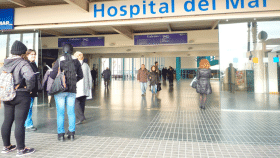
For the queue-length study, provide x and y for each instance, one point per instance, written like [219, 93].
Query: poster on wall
[161, 39]
[82, 42]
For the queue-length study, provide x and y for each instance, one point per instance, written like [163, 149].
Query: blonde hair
[77, 53]
[204, 64]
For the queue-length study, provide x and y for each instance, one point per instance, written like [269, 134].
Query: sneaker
[31, 128]
[25, 151]
[8, 149]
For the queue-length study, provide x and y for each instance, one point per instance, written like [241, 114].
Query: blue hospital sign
[6, 19]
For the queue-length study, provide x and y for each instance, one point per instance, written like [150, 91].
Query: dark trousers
[106, 83]
[164, 77]
[80, 104]
[94, 81]
[231, 87]
[16, 110]
[170, 81]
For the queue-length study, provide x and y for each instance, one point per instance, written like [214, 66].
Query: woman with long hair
[203, 81]
[30, 56]
[71, 67]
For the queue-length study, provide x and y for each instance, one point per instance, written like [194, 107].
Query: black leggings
[15, 110]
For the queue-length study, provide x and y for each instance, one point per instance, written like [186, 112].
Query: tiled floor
[122, 123]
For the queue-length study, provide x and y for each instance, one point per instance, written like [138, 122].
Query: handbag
[59, 83]
[194, 83]
[159, 87]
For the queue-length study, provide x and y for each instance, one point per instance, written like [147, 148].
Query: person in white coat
[83, 89]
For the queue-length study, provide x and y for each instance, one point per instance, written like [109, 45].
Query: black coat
[38, 85]
[107, 74]
[153, 78]
[203, 81]
[63, 65]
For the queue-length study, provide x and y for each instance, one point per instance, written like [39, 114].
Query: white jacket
[85, 84]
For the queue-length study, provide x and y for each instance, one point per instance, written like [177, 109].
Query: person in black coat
[170, 73]
[73, 73]
[107, 75]
[30, 56]
[203, 81]
[154, 79]
[94, 75]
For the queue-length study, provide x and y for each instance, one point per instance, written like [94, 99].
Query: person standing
[30, 56]
[164, 72]
[17, 109]
[154, 80]
[203, 81]
[47, 81]
[170, 75]
[142, 77]
[107, 75]
[156, 66]
[83, 89]
[230, 78]
[94, 75]
[73, 73]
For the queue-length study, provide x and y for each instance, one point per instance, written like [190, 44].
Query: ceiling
[30, 3]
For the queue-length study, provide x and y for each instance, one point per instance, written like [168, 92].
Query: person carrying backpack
[16, 109]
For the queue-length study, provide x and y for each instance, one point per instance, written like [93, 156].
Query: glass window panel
[13, 38]
[3, 45]
[28, 39]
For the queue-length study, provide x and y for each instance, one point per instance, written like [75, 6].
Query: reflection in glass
[248, 71]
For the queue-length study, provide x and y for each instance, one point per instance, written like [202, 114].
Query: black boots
[71, 135]
[61, 137]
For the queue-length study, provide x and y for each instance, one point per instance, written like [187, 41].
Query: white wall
[170, 61]
[188, 62]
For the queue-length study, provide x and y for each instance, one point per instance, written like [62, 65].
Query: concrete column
[132, 63]
[259, 69]
[272, 73]
[178, 68]
[110, 67]
[123, 68]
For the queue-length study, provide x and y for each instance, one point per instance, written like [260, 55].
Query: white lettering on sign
[4, 23]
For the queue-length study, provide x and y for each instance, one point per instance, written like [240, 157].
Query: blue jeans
[28, 121]
[154, 89]
[69, 99]
[143, 87]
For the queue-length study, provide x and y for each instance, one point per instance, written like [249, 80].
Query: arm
[53, 74]
[197, 75]
[138, 75]
[29, 76]
[89, 76]
[79, 70]
[45, 80]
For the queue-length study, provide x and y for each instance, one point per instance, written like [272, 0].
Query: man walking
[142, 78]
[94, 75]
[107, 75]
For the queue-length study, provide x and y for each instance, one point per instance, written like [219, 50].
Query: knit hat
[18, 48]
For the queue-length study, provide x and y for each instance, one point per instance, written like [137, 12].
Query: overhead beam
[53, 32]
[82, 4]
[169, 28]
[19, 2]
[127, 32]
[88, 30]
[215, 24]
